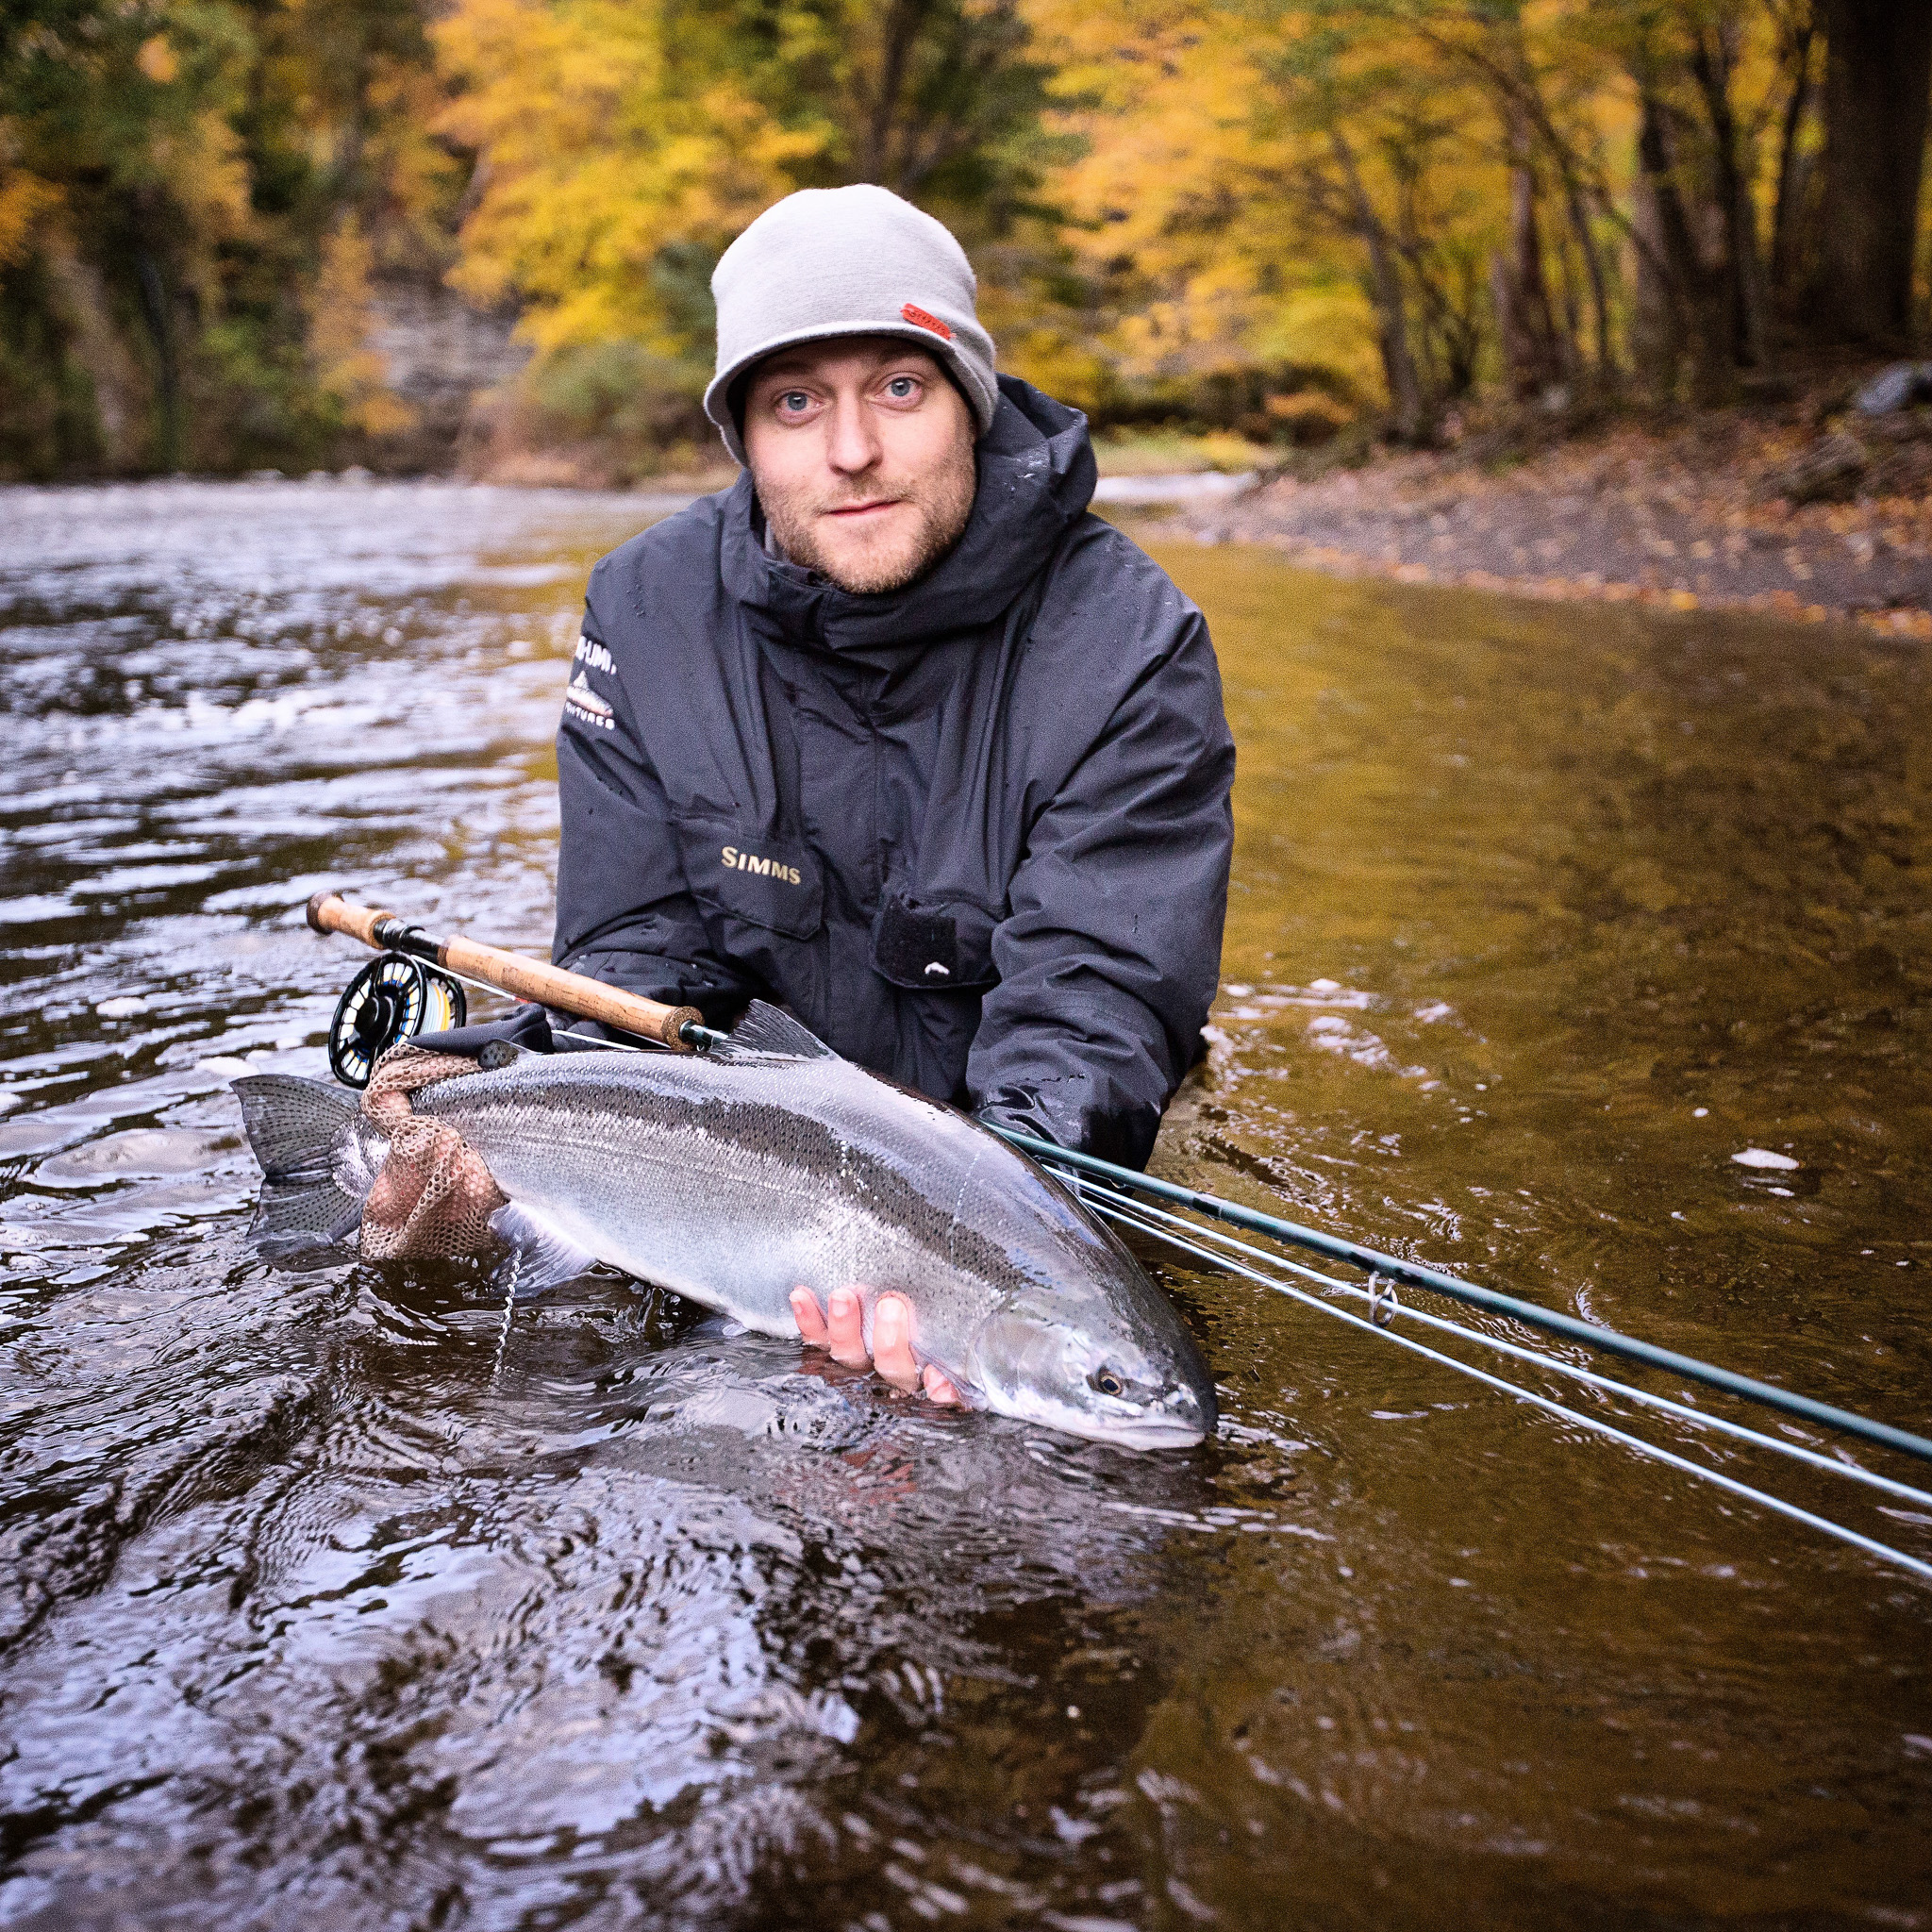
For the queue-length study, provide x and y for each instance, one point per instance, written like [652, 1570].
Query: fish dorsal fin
[766, 1034]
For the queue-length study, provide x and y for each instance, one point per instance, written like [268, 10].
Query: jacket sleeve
[1110, 954]
[624, 912]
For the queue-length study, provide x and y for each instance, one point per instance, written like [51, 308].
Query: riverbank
[1802, 514]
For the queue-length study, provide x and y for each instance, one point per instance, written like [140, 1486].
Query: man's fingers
[845, 1325]
[841, 1329]
[891, 1343]
[809, 1317]
[940, 1389]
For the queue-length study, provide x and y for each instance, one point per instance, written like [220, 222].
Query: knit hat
[846, 261]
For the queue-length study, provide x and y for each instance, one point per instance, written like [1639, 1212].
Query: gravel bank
[1703, 516]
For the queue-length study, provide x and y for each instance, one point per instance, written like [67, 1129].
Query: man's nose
[853, 444]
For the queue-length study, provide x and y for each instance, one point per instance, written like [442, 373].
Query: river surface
[329, 1599]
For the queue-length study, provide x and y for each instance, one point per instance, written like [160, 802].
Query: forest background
[239, 234]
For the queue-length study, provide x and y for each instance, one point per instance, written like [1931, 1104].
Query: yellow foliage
[419, 177]
[1202, 125]
[201, 161]
[25, 201]
[609, 136]
[1187, 134]
[157, 59]
[1215, 212]
[348, 366]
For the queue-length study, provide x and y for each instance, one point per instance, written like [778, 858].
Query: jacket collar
[1036, 477]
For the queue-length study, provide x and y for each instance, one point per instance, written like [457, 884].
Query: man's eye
[794, 400]
[901, 388]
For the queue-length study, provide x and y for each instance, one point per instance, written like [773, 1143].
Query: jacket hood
[1035, 477]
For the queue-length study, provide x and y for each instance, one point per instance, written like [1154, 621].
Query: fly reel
[391, 999]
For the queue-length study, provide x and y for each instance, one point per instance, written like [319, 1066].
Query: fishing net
[434, 1195]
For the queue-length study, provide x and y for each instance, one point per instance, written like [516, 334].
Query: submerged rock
[1897, 387]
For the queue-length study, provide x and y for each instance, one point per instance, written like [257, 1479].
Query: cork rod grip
[512, 972]
[330, 913]
[570, 992]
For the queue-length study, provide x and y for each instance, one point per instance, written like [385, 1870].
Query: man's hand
[841, 1331]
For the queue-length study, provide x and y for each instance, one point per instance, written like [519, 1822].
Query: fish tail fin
[296, 1127]
[293, 1125]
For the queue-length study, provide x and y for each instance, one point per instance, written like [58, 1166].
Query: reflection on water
[326, 1599]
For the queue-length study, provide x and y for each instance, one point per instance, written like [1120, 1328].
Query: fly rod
[1551, 1321]
[1124, 1212]
[682, 1029]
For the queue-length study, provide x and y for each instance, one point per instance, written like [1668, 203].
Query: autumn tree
[190, 189]
[620, 146]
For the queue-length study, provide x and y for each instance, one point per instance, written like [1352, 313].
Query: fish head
[1075, 1360]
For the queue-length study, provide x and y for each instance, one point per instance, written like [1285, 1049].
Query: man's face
[862, 452]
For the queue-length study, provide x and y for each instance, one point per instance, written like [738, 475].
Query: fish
[767, 1162]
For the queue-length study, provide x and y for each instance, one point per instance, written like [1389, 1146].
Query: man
[894, 732]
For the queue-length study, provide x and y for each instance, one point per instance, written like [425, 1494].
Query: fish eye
[1108, 1381]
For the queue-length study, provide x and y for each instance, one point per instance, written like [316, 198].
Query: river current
[340, 1598]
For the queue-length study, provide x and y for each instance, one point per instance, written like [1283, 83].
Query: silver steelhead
[734, 1176]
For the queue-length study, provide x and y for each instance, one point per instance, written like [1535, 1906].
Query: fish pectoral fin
[540, 1257]
[767, 1034]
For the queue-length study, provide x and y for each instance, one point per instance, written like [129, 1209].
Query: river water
[329, 1599]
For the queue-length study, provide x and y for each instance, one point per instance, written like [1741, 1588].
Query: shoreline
[1702, 517]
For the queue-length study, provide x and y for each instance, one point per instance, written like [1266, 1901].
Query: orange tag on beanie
[921, 319]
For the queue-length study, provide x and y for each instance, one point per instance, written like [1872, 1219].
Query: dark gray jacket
[974, 834]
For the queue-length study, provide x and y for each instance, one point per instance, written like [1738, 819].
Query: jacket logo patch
[591, 652]
[582, 702]
[765, 868]
[920, 318]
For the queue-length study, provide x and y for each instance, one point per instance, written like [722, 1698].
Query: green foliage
[187, 165]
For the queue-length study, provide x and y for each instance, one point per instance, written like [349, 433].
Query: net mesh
[434, 1195]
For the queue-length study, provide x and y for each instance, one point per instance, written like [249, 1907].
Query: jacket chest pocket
[941, 948]
[767, 881]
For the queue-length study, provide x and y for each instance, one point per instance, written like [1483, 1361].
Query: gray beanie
[846, 261]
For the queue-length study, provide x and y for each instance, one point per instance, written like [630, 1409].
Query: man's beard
[892, 559]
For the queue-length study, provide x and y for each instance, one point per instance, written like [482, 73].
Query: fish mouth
[1181, 1425]
[1155, 1432]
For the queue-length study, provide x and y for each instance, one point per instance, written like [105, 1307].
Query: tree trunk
[1505, 70]
[1742, 282]
[1385, 288]
[1785, 213]
[1700, 312]
[1570, 312]
[1657, 317]
[157, 311]
[1877, 87]
[902, 24]
[1530, 349]
[1578, 210]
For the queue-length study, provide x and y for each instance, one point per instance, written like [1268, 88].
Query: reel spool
[390, 999]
